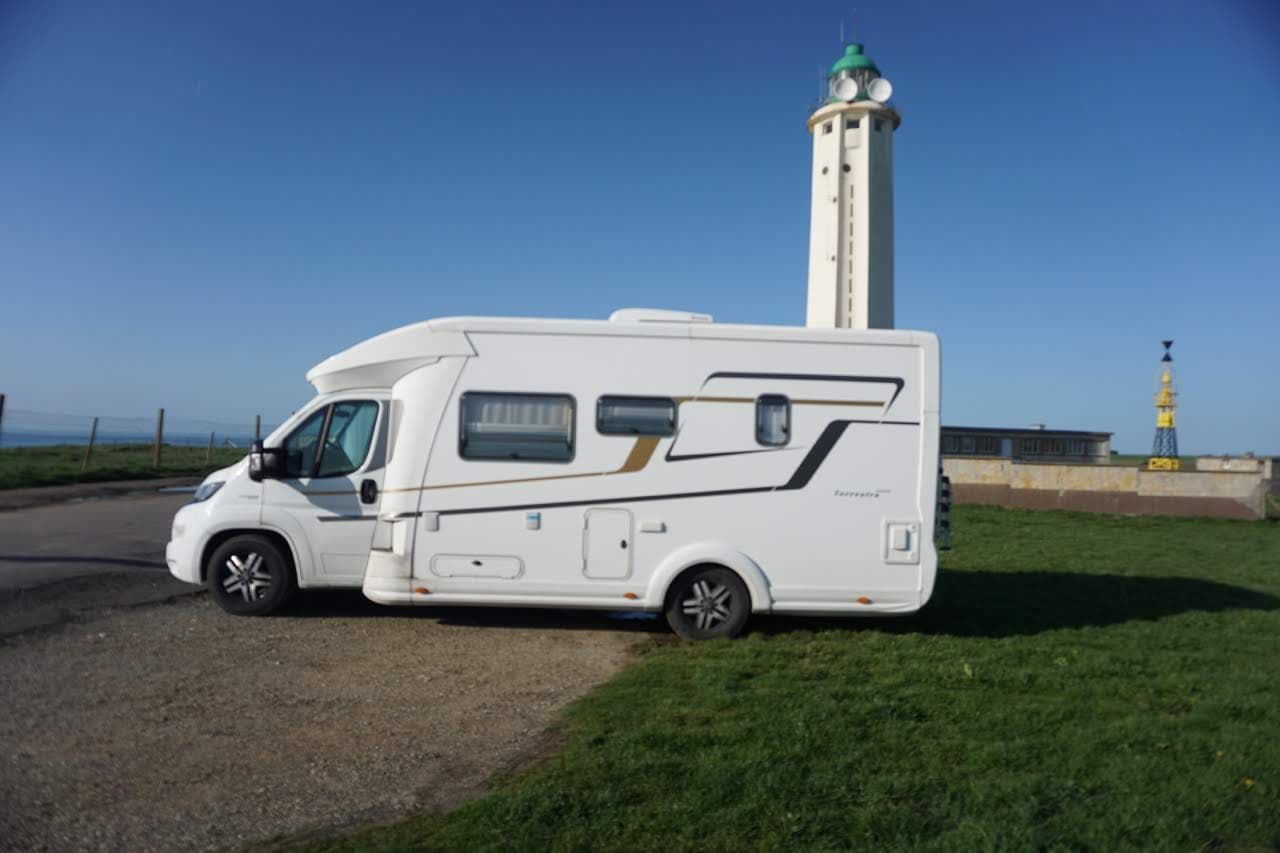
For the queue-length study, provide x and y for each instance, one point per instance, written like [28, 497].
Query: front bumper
[182, 554]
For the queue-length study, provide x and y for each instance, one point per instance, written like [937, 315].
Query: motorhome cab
[657, 461]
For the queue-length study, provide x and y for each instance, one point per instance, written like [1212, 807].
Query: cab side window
[332, 442]
[301, 445]
[347, 440]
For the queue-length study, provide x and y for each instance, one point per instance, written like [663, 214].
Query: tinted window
[531, 427]
[773, 420]
[636, 415]
[346, 444]
[301, 445]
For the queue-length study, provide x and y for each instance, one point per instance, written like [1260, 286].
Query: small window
[636, 415]
[879, 125]
[773, 420]
[526, 427]
[852, 123]
[826, 128]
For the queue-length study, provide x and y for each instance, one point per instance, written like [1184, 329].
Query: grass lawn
[1139, 460]
[1078, 682]
[59, 465]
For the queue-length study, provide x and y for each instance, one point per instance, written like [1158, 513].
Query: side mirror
[264, 463]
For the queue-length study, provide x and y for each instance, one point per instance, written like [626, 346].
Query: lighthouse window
[879, 125]
[826, 128]
[852, 123]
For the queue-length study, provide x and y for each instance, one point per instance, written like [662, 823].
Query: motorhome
[656, 461]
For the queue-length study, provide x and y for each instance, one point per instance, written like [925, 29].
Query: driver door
[330, 460]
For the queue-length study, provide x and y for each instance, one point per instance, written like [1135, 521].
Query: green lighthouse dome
[853, 60]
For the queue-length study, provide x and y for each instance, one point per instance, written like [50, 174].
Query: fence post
[1, 414]
[208, 457]
[88, 451]
[257, 423]
[159, 437]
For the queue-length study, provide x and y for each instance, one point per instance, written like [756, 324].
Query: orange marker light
[422, 590]
[630, 596]
[862, 599]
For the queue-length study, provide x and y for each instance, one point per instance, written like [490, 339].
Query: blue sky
[200, 201]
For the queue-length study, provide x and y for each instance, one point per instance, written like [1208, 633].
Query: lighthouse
[851, 216]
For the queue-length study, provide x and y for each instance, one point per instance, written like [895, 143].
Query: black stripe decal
[816, 455]
[808, 466]
[896, 381]
[671, 457]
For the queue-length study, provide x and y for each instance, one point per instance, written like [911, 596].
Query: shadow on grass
[964, 604]
[1008, 604]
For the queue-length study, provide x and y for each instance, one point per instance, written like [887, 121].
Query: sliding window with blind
[516, 427]
[653, 416]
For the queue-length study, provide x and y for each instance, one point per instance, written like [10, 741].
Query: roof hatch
[657, 315]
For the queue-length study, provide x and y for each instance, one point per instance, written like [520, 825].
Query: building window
[526, 427]
[852, 123]
[773, 420]
[879, 125]
[636, 415]
[826, 128]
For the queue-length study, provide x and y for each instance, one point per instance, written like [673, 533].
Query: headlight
[206, 491]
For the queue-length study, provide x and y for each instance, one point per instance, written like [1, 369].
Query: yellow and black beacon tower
[1164, 450]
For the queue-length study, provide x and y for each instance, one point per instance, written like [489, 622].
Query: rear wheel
[250, 576]
[708, 602]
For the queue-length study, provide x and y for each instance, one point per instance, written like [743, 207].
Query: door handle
[623, 544]
[368, 492]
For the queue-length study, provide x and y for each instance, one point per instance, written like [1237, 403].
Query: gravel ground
[172, 725]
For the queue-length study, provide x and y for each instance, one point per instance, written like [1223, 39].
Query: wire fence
[30, 428]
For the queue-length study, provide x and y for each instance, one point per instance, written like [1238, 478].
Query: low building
[1267, 466]
[1028, 445]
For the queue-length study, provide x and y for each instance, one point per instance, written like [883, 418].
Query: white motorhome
[657, 461]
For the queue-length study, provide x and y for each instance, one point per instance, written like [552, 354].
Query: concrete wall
[1107, 488]
[1268, 466]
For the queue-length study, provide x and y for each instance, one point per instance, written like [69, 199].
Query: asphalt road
[137, 715]
[61, 560]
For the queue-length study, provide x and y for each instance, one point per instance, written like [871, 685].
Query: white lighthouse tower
[851, 221]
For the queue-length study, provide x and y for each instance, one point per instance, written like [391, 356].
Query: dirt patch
[174, 725]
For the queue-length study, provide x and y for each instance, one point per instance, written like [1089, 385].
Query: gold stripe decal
[637, 459]
[641, 453]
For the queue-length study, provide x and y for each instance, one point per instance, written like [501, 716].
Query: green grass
[1139, 460]
[1078, 682]
[55, 466]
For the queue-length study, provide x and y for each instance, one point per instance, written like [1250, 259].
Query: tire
[250, 576]
[708, 602]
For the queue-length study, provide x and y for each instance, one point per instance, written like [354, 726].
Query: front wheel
[250, 576]
[708, 602]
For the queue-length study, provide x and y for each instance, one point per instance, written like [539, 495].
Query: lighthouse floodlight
[880, 90]
[846, 89]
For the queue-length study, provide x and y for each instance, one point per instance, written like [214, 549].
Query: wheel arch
[712, 553]
[221, 536]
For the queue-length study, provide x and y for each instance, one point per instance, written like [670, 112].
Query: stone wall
[1107, 488]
